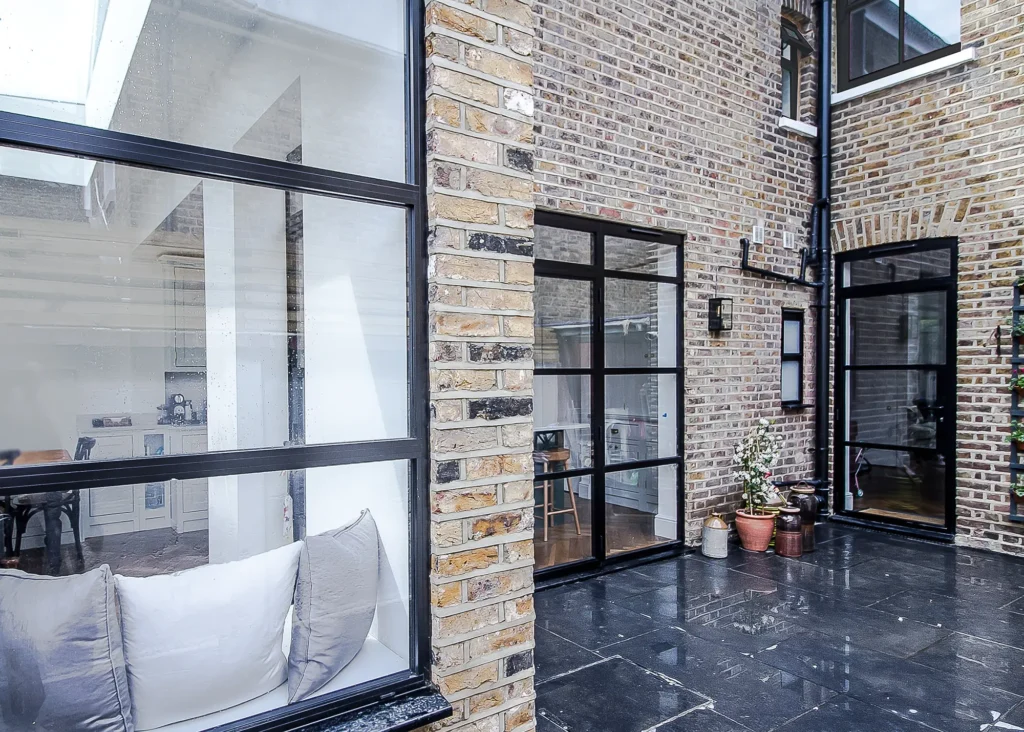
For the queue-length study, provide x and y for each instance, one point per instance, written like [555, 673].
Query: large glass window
[321, 82]
[607, 390]
[880, 37]
[212, 480]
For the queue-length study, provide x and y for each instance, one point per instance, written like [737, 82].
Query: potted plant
[756, 455]
[1018, 331]
[1017, 489]
[1017, 381]
[1016, 435]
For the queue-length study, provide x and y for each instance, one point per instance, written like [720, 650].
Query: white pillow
[208, 638]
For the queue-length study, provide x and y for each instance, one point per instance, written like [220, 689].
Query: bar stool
[545, 458]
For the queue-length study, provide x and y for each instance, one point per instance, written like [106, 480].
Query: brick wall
[665, 114]
[944, 156]
[480, 201]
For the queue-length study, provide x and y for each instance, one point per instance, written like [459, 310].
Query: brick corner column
[480, 287]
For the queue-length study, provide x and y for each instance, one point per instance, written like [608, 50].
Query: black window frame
[844, 9]
[799, 46]
[791, 315]
[596, 274]
[330, 711]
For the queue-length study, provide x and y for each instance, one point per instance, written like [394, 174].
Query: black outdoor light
[719, 314]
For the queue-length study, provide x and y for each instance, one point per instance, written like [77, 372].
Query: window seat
[373, 661]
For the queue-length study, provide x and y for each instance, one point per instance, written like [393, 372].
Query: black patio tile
[1016, 606]
[852, 549]
[575, 615]
[613, 696]
[701, 593]
[843, 584]
[990, 592]
[743, 689]
[977, 660]
[829, 530]
[863, 626]
[546, 724]
[970, 614]
[702, 720]
[1014, 719]
[938, 698]
[556, 655]
[846, 714]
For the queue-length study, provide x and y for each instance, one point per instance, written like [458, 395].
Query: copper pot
[755, 530]
[804, 498]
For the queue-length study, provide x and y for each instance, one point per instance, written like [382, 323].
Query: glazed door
[607, 440]
[896, 385]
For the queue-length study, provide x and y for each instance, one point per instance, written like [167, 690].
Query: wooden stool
[545, 458]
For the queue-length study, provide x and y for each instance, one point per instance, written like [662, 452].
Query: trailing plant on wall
[1017, 381]
[756, 456]
[1017, 488]
[1016, 433]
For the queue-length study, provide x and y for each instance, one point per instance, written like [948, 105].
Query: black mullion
[418, 357]
[565, 270]
[641, 370]
[894, 367]
[563, 371]
[907, 287]
[641, 464]
[597, 413]
[888, 446]
[96, 474]
[133, 150]
[680, 394]
[902, 19]
[560, 474]
[617, 274]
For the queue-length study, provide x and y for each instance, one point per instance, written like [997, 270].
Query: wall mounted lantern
[719, 314]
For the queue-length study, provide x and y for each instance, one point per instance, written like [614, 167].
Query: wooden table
[51, 508]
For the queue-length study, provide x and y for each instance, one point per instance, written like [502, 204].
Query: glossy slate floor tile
[871, 632]
[556, 655]
[843, 584]
[939, 698]
[743, 689]
[590, 623]
[969, 615]
[977, 660]
[849, 715]
[863, 626]
[619, 696]
[702, 720]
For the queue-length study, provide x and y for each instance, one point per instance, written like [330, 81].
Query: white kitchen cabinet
[182, 505]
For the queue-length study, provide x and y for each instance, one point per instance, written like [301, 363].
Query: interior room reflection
[894, 400]
[149, 314]
[639, 413]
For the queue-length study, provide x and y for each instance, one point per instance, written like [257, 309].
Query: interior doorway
[608, 399]
[896, 385]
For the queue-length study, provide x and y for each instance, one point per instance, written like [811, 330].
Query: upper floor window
[793, 46]
[880, 37]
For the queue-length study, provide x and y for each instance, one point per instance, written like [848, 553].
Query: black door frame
[946, 435]
[595, 274]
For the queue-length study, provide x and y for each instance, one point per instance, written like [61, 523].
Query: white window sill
[939, 64]
[800, 128]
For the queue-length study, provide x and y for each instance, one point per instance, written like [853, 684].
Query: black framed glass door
[896, 385]
[607, 391]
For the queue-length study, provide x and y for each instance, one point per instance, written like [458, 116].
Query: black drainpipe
[820, 258]
[821, 247]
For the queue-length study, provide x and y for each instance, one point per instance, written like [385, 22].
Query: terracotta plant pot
[755, 530]
[1020, 446]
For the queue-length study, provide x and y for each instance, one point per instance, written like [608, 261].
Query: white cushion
[373, 661]
[207, 638]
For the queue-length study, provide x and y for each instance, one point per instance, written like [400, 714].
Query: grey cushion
[335, 598]
[61, 659]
